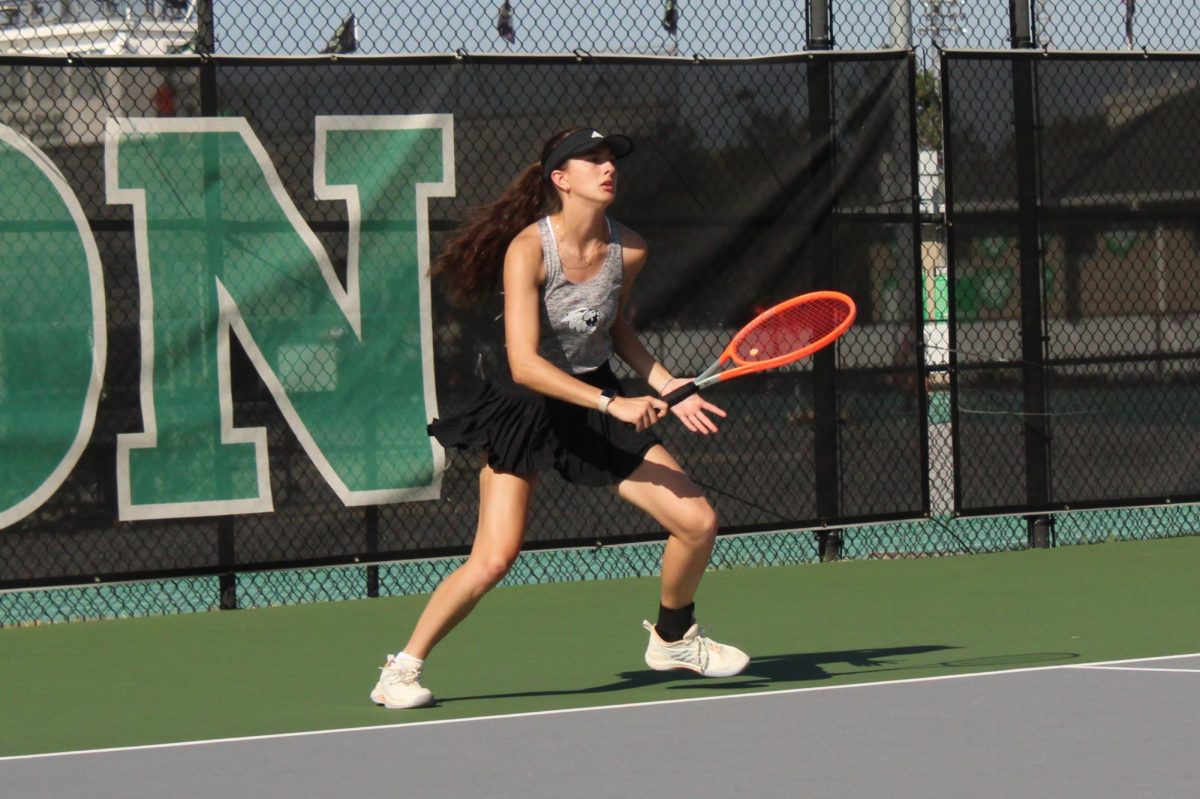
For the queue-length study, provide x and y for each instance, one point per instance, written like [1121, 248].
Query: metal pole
[371, 528]
[1021, 30]
[1040, 531]
[227, 560]
[900, 29]
[820, 35]
[206, 37]
[1033, 337]
[821, 188]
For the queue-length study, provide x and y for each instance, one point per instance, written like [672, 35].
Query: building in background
[85, 96]
[96, 27]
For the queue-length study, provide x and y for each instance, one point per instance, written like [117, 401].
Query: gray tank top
[577, 317]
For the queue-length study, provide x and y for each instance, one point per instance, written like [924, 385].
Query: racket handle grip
[680, 394]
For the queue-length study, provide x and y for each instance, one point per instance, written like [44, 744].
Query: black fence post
[206, 36]
[227, 558]
[819, 24]
[825, 404]
[829, 545]
[1033, 339]
[1041, 531]
[205, 41]
[371, 526]
[1021, 23]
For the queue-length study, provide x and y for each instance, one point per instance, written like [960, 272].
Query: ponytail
[474, 258]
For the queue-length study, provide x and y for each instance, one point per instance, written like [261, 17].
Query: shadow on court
[762, 672]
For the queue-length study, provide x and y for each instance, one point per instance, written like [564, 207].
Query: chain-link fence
[1075, 250]
[703, 28]
[267, 370]
[374, 27]
[1111, 242]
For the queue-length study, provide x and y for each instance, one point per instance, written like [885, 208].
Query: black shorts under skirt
[524, 432]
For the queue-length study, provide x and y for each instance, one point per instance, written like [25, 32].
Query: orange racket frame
[742, 366]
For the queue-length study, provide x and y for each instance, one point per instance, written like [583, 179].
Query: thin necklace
[583, 260]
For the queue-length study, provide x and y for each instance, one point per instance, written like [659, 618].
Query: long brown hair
[474, 257]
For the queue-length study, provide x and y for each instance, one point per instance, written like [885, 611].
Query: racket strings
[790, 329]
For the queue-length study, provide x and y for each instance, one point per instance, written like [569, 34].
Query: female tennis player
[566, 270]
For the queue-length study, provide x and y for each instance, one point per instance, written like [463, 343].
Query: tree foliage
[929, 110]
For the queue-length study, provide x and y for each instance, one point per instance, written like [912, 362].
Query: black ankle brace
[672, 624]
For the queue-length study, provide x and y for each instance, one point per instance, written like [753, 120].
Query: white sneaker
[695, 653]
[399, 685]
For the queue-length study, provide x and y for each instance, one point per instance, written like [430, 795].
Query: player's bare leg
[661, 488]
[503, 508]
[503, 505]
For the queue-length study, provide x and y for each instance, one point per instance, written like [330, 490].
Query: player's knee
[700, 526]
[490, 569]
[708, 525]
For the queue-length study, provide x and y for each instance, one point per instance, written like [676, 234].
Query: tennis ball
[753, 352]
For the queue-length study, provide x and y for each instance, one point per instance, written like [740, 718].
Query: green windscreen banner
[52, 328]
[224, 252]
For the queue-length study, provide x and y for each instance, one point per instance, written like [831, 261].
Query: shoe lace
[705, 648]
[401, 673]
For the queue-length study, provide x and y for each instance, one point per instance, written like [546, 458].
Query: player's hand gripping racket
[792, 330]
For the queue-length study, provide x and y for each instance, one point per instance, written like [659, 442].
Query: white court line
[598, 708]
[1098, 667]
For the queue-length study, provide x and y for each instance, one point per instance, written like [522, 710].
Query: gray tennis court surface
[1116, 729]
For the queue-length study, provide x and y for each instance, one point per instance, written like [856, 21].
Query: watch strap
[606, 398]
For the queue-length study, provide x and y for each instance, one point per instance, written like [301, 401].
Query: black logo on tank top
[582, 320]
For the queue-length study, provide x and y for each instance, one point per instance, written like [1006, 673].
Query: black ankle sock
[672, 624]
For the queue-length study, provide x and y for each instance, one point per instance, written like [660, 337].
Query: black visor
[584, 141]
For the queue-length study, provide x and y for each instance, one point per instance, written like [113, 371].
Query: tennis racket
[784, 334]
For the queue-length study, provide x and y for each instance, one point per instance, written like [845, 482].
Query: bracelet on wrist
[663, 391]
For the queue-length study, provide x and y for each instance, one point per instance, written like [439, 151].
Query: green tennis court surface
[534, 648]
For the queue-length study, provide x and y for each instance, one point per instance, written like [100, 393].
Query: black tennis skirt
[524, 432]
